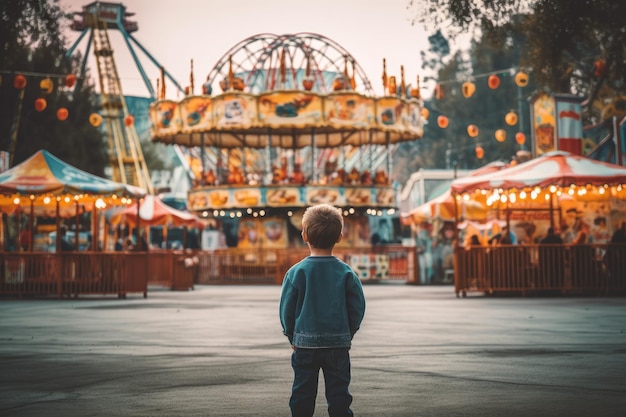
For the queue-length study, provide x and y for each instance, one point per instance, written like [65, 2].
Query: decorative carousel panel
[284, 196]
[290, 109]
[329, 195]
[391, 113]
[349, 110]
[235, 111]
[165, 118]
[246, 197]
[210, 199]
[196, 113]
[414, 121]
[275, 232]
[359, 196]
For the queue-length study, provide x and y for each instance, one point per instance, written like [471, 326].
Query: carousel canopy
[559, 169]
[43, 180]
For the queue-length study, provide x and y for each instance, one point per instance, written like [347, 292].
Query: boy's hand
[293, 347]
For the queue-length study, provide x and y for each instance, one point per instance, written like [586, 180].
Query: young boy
[321, 308]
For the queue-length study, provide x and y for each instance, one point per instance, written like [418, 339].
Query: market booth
[166, 268]
[44, 186]
[581, 199]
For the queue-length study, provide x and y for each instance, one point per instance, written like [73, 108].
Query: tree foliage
[32, 44]
[573, 46]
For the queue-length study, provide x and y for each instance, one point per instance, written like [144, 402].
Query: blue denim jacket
[322, 303]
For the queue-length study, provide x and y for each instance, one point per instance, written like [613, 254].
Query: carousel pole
[76, 228]
[31, 224]
[268, 160]
[314, 156]
[388, 144]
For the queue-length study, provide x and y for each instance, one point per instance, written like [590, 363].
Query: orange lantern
[599, 68]
[521, 79]
[62, 114]
[95, 119]
[425, 113]
[70, 80]
[510, 118]
[442, 121]
[500, 135]
[472, 131]
[41, 104]
[46, 85]
[480, 152]
[19, 82]
[468, 89]
[520, 138]
[439, 93]
[308, 82]
[129, 120]
[513, 162]
[493, 81]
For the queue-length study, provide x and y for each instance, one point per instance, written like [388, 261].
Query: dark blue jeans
[306, 364]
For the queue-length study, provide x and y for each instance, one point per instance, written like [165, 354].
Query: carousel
[284, 122]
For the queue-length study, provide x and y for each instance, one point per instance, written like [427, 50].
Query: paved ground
[219, 351]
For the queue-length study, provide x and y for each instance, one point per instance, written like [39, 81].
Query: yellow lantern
[472, 131]
[480, 152]
[425, 113]
[493, 81]
[41, 104]
[62, 114]
[95, 119]
[468, 89]
[520, 138]
[500, 135]
[521, 79]
[510, 118]
[129, 120]
[442, 121]
[46, 85]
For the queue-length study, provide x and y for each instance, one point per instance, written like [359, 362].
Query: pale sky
[176, 31]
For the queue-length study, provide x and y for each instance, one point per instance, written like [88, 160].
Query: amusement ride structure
[287, 121]
[126, 156]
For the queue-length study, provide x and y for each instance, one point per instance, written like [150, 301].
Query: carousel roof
[289, 91]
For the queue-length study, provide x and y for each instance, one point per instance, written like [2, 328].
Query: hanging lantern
[46, 85]
[480, 152]
[472, 131]
[521, 79]
[95, 119]
[19, 82]
[439, 93]
[442, 121]
[62, 114]
[468, 89]
[207, 88]
[70, 80]
[500, 135]
[425, 113]
[599, 68]
[41, 104]
[129, 120]
[510, 118]
[493, 81]
[520, 138]
[307, 82]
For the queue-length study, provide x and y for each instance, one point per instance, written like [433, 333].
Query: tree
[34, 47]
[574, 46]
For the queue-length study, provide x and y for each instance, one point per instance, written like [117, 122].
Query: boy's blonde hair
[323, 225]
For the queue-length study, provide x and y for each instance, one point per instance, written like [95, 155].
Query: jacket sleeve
[287, 309]
[356, 304]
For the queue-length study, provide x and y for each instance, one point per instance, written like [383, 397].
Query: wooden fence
[540, 269]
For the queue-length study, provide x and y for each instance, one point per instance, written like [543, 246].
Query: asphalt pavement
[219, 351]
